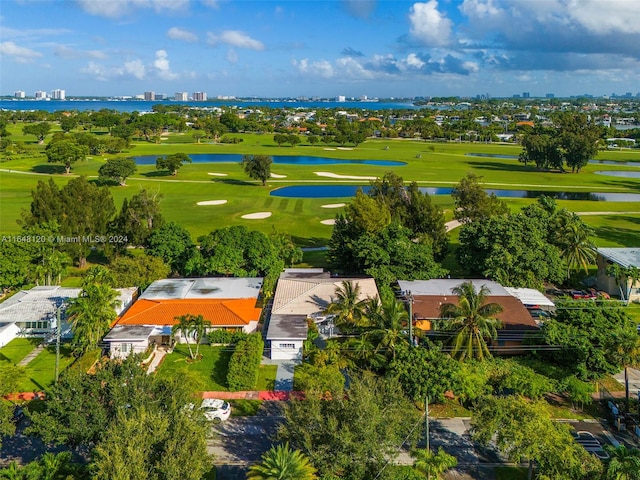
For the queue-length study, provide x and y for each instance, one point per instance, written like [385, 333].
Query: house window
[287, 345]
[126, 347]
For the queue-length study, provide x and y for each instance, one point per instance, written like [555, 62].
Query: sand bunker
[275, 175]
[217, 174]
[344, 148]
[333, 205]
[345, 177]
[213, 202]
[256, 216]
[331, 221]
[328, 148]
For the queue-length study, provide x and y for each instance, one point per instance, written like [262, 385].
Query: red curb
[268, 395]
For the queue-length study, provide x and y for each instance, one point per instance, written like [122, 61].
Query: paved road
[634, 380]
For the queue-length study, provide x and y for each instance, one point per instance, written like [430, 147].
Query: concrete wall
[9, 333]
[115, 348]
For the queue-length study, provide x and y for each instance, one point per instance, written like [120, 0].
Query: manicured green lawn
[40, 372]
[441, 164]
[207, 374]
[17, 349]
[510, 473]
[266, 377]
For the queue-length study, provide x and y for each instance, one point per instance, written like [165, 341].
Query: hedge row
[245, 363]
[226, 337]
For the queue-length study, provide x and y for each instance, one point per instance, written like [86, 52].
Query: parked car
[539, 313]
[216, 410]
[580, 294]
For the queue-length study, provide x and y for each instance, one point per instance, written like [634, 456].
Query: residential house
[626, 259]
[228, 303]
[303, 295]
[34, 313]
[427, 296]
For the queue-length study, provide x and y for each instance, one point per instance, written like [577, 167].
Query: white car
[216, 410]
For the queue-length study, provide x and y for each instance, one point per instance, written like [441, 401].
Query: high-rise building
[550, 95]
[341, 98]
[40, 95]
[58, 94]
[19, 94]
[526, 95]
[199, 96]
[181, 96]
[149, 96]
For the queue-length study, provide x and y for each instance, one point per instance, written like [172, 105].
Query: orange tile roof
[220, 312]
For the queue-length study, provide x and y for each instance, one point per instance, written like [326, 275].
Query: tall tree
[66, 152]
[91, 315]
[472, 321]
[282, 463]
[355, 435]
[348, 307]
[139, 271]
[191, 327]
[172, 162]
[394, 319]
[139, 216]
[573, 239]
[171, 242]
[522, 429]
[473, 203]
[40, 130]
[258, 167]
[118, 169]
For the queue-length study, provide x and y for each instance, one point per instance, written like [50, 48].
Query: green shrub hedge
[226, 336]
[245, 363]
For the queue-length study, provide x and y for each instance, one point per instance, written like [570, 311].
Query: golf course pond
[341, 191]
[277, 159]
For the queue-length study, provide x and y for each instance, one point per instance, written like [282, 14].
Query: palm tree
[282, 463]
[91, 315]
[199, 329]
[472, 321]
[392, 316]
[433, 465]
[347, 308]
[364, 354]
[191, 326]
[624, 463]
[573, 238]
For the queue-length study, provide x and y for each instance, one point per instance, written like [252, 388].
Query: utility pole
[410, 299]
[58, 343]
[426, 420]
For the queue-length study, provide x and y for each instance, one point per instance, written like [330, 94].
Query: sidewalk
[33, 354]
[267, 395]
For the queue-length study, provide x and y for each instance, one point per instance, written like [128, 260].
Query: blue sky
[310, 48]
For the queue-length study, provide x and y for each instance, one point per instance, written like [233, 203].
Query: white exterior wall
[286, 349]
[9, 333]
[116, 349]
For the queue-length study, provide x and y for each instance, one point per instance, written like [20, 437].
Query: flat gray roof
[121, 333]
[625, 257]
[195, 288]
[444, 286]
[293, 327]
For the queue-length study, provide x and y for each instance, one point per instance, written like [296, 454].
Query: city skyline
[326, 49]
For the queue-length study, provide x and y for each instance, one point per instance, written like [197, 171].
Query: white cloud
[135, 68]
[66, 51]
[119, 8]
[428, 25]
[162, 66]
[600, 17]
[19, 54]
[320, 68]
[180, 34]
[235, 38]
[414, 61]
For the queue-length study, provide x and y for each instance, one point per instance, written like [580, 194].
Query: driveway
[241, 441]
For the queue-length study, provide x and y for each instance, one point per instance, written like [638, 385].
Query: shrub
[245, 363]
[226, 336]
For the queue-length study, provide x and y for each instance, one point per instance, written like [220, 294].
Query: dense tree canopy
[473, 203]
[66, 152]
[353, 436]
[172, 162]
[595, 337]
[172, 243]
